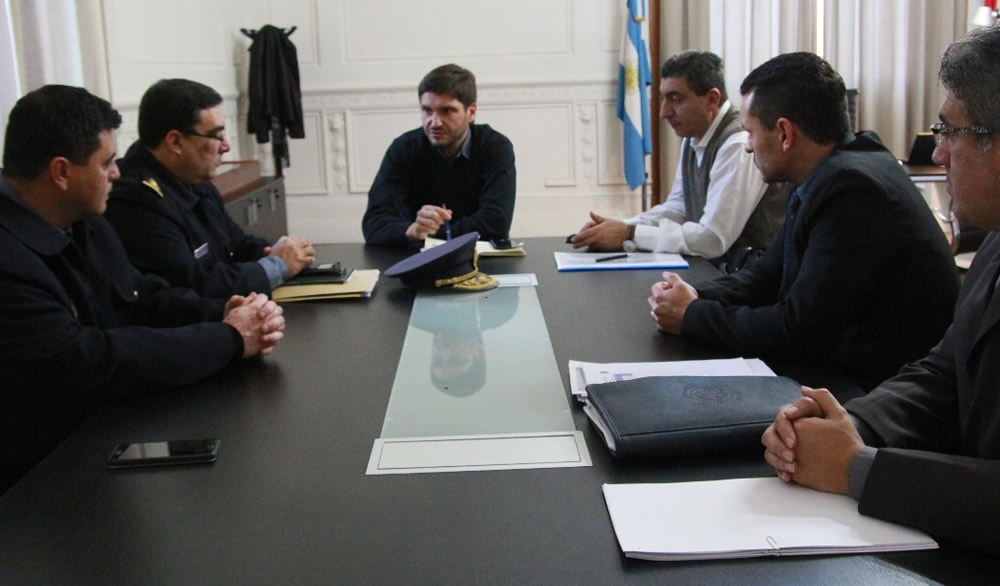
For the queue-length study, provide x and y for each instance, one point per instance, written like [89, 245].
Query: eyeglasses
[941, 130]
[218, 137]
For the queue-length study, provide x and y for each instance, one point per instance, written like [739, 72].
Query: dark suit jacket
[161, 231]
[871, 286]
[940, 418]
[71, 308]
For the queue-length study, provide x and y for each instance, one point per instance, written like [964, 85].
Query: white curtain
[890, 50]
[745, 33]
[9, 83]
[61, 41]
[886, 49]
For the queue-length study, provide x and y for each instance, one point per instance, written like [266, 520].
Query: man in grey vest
[718, 203]
[861, 278]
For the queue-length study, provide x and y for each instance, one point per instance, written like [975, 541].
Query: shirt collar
[27, 225]
[467, 145]
[465, 151]
[712, 128]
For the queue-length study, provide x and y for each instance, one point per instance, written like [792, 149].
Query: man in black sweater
[449, 177]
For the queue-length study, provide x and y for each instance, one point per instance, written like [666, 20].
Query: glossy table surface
[288, 501]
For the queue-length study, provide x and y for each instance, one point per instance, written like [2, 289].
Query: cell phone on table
[501, 243]
[164, 453]
[327, 269]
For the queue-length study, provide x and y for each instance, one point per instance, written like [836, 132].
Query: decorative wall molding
[586, 116]
[337, 139]
[399, 97]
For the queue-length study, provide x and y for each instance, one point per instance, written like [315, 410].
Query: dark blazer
[71, 337]
[479, 189]
[940, 418]
[182, 233]
[871, 286]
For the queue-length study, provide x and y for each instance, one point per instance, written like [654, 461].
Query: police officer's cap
[452, 264]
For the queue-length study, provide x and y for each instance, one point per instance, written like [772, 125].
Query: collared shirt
[735, 188]
[465, 152]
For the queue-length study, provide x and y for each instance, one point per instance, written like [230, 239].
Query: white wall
[546, 68]
[546, 72]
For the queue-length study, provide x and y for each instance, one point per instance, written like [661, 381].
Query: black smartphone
[331, 269]
[501, 243]
[199, 451]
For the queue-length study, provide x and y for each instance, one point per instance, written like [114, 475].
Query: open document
[582, 374]
[611, 261]
[484, 247]
[746, 517]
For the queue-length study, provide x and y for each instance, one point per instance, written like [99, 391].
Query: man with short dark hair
[79, 326]
[169, 215]
[861, 279]
[923, 449]
[718, 205]
[449, 177]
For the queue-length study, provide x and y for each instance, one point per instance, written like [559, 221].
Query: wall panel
[546, 73]
[435, 28]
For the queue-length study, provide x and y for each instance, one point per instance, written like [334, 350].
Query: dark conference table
[288, 501]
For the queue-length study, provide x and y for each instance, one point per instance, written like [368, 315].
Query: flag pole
[654, 104]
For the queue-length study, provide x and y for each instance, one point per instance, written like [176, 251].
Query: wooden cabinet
[259, 207]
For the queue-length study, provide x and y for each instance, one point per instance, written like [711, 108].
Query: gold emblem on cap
[478, 282]
[474, 281]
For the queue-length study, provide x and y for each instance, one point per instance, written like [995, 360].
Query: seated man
[718, 202]
[171, 218]
[923, 449]
[446, 179]
[79, 326]
[862, 278]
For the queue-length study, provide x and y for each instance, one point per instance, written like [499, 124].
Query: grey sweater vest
[765, 221]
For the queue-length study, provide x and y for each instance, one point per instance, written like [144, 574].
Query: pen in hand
[447, 224]
[612, 257]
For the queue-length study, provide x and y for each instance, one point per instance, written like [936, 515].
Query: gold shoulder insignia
[152, 184]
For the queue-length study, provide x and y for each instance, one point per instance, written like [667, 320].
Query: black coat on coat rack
[275, 111]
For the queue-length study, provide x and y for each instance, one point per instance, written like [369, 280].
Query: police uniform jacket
[182, 232]
[75, 331]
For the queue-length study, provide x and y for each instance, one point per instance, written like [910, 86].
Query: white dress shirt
[735, 188]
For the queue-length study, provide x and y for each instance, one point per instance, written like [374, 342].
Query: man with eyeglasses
[923, 449]
[170, 216]
[79, 326]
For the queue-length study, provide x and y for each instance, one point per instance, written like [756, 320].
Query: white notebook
[746, 517]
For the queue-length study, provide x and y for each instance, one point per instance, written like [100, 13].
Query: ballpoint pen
[447, 224]
[612, 257]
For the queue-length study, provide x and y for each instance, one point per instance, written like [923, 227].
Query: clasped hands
[669, 301]
[259, 321]
[813, 442]
[601, 234]
[429, 220]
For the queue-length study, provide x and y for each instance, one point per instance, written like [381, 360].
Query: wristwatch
[628, 245]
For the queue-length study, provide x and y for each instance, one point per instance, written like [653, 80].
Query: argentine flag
[634, 78]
